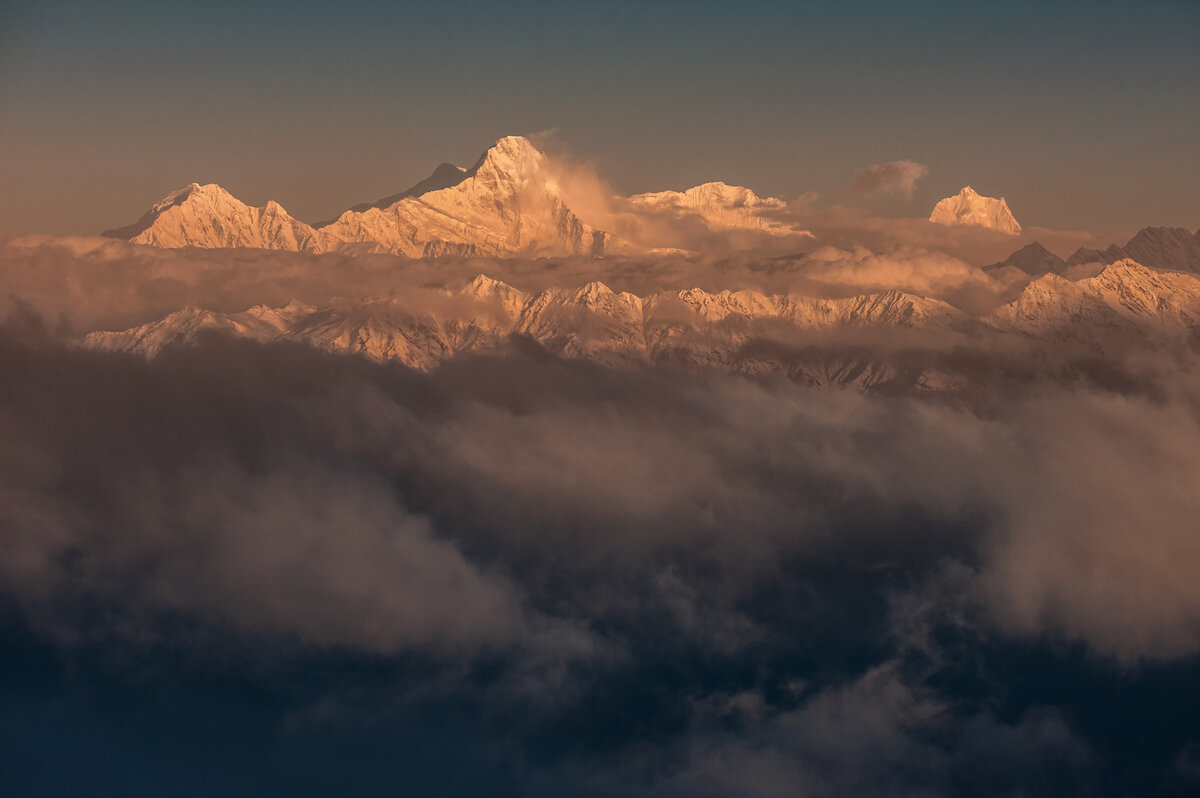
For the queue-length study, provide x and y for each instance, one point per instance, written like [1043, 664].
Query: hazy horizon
[1082, 115]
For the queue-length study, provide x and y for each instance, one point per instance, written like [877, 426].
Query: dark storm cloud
[874, 736]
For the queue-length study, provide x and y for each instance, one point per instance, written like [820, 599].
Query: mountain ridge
[508, 204]
[1170, 248]
[1163, 248]
[1033, 259]
[446, 175]
[505, 205]
[1126, 305]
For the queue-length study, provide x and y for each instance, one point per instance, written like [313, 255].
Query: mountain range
[868, 340]
[1165, 248]
[510, 203]
[1171, 248]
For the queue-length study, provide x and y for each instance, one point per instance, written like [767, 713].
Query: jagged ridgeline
[504, 205]
[891, 338]
[509, 203]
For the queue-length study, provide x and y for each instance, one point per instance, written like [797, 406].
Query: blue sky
[1085, 115]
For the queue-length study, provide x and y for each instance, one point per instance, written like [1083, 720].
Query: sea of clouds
[517, 574]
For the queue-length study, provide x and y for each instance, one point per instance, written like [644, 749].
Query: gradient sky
[1085, 115]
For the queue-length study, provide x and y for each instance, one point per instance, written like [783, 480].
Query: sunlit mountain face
[651, 455]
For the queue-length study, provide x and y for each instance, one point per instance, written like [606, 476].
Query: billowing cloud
[631, 580]
[893, 177]
[78, 285]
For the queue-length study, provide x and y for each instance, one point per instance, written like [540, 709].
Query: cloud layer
[519, 574]
[629, 580]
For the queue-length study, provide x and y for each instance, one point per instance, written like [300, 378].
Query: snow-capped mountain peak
[209, 216]
[969, 207]
[512, 159]
[507, 204]
[1127, 304]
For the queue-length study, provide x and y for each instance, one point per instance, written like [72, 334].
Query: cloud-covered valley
[628, 579]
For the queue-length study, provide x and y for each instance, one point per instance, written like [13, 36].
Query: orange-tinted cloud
[893, 177]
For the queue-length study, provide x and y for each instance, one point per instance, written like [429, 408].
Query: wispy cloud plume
[893, 177]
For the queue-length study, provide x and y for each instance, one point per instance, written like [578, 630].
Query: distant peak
[1035, 250]
[721, 189]
[969, 207]
[713, 193]
[210, 191]
[1161, 233]
[1033, 259]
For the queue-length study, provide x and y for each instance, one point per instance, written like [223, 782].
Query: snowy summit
[969, 207]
